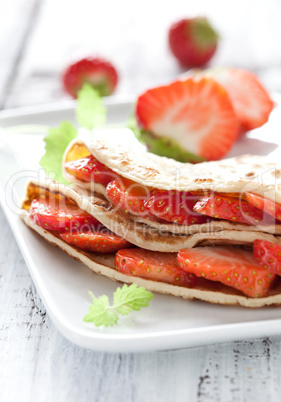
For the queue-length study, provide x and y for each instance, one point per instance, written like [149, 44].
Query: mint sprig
[125, 300]
[56, 142]
[90, 111]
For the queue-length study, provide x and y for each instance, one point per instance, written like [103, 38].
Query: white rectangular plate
[63, 283]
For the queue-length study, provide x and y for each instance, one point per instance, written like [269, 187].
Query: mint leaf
[125, 300]
[56, 142]
[130, 298]
[90, 111]
[100, 314]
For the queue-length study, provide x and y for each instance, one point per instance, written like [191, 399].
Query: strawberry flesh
[174, 206]
[129, 196]
[90, 169]
[233, 209]
[57, 215]
[270, 207]
[196, 114]
[96, 241]
[250, 99]
[268, 255]
[152, 265]
[234, 267]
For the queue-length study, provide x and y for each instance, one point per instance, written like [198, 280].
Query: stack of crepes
[138, 196]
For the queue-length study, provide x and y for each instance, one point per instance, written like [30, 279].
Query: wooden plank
[15, 28]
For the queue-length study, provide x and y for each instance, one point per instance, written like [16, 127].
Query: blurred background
[38, 38]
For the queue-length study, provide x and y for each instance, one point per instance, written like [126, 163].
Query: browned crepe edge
[208, 291]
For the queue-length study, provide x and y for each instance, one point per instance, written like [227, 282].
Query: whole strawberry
[193, 41]
[98, 72]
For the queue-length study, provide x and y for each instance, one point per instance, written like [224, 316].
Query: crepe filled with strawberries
[114, 243]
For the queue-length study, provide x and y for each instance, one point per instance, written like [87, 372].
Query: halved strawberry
[222, 206]
[250, 99]
[97, 242]
[98, 72]
[57, 215]
[268, 255]
[270, 207]
[235, 267]
[174, 206]
[153, 265]
[129, 196]
[196, 113]
[90, 169]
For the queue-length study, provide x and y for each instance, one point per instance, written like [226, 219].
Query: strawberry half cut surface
[90, 169]
[270, 207]
[129, 196]
[174, 206]
[196, 113]
[57, 215]
[250, 99]
[235, 267]
[98, 72]
[234, 209]
[152, 265]
[97, 241]
[268, 255]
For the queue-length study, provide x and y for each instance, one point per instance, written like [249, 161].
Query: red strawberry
[152, 265]
[90, 169]
[232, 266]
[232, 209]
[266, 205]
[174, 206]
[98, 72]
[250, 99]
[193, 41]
[129, 196]
[268, 255]
[195, 113]
[57, 215]
[97, 242]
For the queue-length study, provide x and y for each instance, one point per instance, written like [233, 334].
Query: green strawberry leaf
[163, 146]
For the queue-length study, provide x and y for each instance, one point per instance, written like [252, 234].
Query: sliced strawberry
[97, 242]
[57, 215]
[162, 267]
[174, 206]
[232, 209]
[235, 267]
[90, 169]
[268, 255]
[196, 113]
[250, 99]
[270, 207]
[129, 196]
[98, 72]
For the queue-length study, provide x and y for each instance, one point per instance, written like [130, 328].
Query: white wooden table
[37, 37]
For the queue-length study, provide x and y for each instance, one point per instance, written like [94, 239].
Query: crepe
[247, 173]
[140, 234]
[213, 292]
